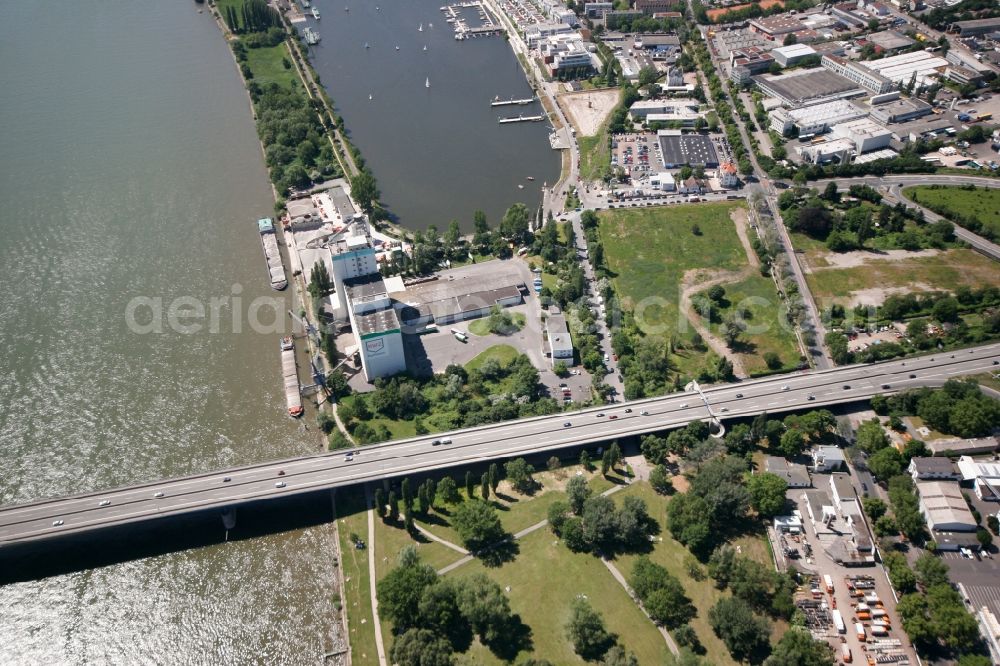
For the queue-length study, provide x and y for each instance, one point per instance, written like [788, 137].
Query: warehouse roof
[687, 149]
[944, 504]
[799, 87]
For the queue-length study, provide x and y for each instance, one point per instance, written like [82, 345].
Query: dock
[510, 102]
[290, 374]
[487, 27]
[520, 119]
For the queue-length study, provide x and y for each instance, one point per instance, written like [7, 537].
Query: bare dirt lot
[588, 109]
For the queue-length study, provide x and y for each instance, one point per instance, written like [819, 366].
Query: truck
[845, 654]
[983, 117]
[859, 629]
[828, 581]
[838, 620]
[459, 335]
[879, 630]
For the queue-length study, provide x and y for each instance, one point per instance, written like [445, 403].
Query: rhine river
[438, 152]
[131, 169]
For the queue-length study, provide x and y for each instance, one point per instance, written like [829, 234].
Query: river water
[438, 152]
[131, 169]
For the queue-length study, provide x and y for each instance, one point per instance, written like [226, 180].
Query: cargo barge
[290, 375]
[269, 241]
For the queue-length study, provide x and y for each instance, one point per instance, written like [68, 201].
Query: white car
[684, 405]
[785, 387]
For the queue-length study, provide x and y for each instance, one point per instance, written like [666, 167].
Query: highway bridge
[79, 514]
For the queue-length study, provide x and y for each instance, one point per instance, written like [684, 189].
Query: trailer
[845, 654]
[838, 620]
[859, 629]
[828, 581]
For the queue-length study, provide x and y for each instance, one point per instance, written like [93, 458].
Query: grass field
[503, 354]
[944, 271]
[595, 154]
[351, 517]
[544, 579]
[982, 203]
[481, 326]
[767, 331]
[268, 67]
[672, 555]
[649, 250]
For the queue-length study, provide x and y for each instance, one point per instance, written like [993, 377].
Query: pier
[520, 119]
[509, 102]
[487, 28]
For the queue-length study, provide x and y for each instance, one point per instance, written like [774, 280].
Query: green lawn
[267, 66]
[982, 203]
[944, 271]
[544, 579]
[503, 354]
[351, 517]
[595, 154]
[481, 326]
[649, 250]
[672, 555]
[767, 328]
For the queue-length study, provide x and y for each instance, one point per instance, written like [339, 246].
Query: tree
[519, 472]
[744, 633]
[485, 606]
[478, 524]
[600, 522]
[661, 593]
[790, 39]
[886, 463]
[773, 360]
[798, 648]
[791, 444]
[364, 191]
[585, 460]
[557, 514]
[495, 477]
[380, 503]
[931, 570]
[871, 437]
[400, 591]
[439, 609]
[470, 485]
[946, 310]
[421, 647]
[659, 479]
[514, 225]
[831, 193]
[586, 631]
[689, 521]
[874, 507]
[619, 656]
[767, 493]
[560, 369]
[484, 486]
[393, 513]
[716, 293]
[577, 491]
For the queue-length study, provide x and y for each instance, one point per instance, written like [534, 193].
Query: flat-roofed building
[944, 508]
[836, 150]
[678, 150]
[865, 134]
[650, 7]
[933, 469]
[786, 56]
[890, 40]
[984, 475]
[816, 118]
[807, 86]
[976, 27]
[776, 26]
[380, 343]
[900, 110]
[795, 475]
[663, 180]
[727, 41]
[597, 9]
[857, 73]
[828, 459]
[921, 67]
[560, 342]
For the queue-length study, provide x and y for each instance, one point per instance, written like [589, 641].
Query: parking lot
[637, 154]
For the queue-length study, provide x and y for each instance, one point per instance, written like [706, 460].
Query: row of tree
[957, 408]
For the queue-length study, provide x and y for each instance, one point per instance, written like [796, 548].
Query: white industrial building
[933, 469]
[682, 112]
[983, 475]
[815, 119]
[944, 508]
[858, 73]
[663, 180]
[786, 56]
[865, 134]
[837, 150]
[560, 342]
[827, 459]
[921, 66]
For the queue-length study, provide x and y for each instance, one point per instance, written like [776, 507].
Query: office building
[858, 73]
[814, 119]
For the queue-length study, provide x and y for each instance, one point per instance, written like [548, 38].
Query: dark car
[739, 395]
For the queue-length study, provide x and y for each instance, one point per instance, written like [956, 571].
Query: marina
[272, 255]
[520, 119]
[290, 374]
[486, 27]
[310, 36]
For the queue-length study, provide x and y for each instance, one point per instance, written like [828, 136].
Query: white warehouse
[815, 119]
[866, 134]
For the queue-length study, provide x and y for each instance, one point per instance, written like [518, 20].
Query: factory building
[380, 343]
[814, 119]
[921, 67]
[858, 73]
[976, 27]
[900, 110]
[683, 112]
[786, 56]
[807, 86]
[865, 134]
[944, 508]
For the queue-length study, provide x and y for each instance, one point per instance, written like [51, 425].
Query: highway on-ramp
[77, 514]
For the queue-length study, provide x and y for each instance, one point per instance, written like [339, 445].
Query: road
[46, 519]
[891, 187]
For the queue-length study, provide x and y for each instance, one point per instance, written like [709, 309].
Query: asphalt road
[62, 516]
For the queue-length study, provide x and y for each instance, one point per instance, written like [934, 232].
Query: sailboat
[369, 97]
[397, 47]
[421, 28]
[427, 82]
[425, 47]
[366, 45]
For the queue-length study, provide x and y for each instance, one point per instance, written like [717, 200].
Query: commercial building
[565, 15]
[730, 40]
[795, 475]
[560, 342]
[596, 10]
[380, 342]
[692, 149]
[835, 150]
[961, 75]
[816, 118]
[858, 73]
[889, 40]
[976, 27]
[900, 110]
[933, 469]
[729, 175]
[663, 180]
[650, 7]
[984, 476]
[568, 56]
[745, 62]
[534, 34]
[844, 495]
[827, 459]
[778, 25]
[682, 112]
[944, 508]
[865, 134]
[807, 86]
[660, 47]
[920, 67]
[786, 56]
